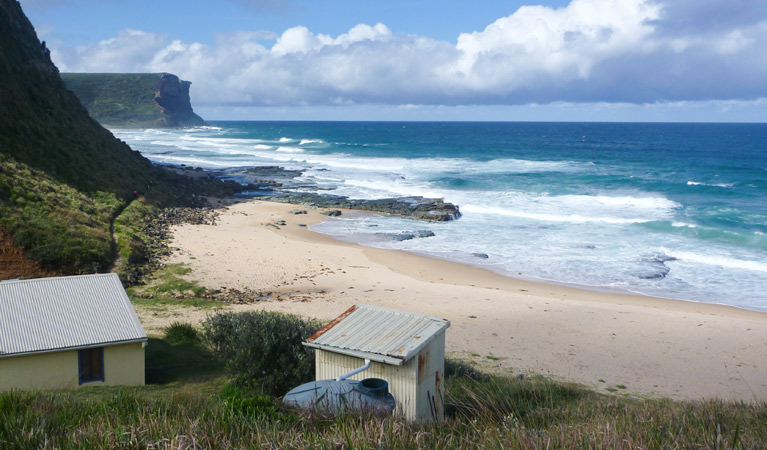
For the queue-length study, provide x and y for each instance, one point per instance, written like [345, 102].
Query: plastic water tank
[370, 394]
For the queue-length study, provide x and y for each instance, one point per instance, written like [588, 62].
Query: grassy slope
[188, 404]
[58, 225]
[63, 177]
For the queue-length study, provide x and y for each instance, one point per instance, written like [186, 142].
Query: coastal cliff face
[135, 100]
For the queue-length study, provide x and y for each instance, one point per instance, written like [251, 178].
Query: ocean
[670, 210]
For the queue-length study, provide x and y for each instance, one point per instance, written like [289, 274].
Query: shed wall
[431, 380]
[417, 386]
[123, 365]
[401, 379]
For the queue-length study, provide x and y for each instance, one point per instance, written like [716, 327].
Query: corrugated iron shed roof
[379, 334]
[48, 314]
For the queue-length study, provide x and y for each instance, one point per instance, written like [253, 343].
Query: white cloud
[130, 51]
[589, 51]
[564, 43]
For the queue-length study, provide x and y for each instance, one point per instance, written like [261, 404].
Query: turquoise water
[671, 210]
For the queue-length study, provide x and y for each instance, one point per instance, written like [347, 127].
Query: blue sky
[601, 60]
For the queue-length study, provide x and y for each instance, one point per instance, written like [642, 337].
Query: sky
[534, 60]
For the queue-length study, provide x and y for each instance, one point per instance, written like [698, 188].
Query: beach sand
[631, 344]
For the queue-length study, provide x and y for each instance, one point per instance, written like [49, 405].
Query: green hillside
[43, 125]
[140, 100]
[64, 178]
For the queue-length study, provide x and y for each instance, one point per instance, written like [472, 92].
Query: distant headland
[135, 100]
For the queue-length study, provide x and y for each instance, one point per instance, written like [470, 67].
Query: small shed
[66, 332]
[405, 349]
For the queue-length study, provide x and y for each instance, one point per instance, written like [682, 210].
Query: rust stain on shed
[423, 364]
[332, 323]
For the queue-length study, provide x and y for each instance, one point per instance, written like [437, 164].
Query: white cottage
[405, 349]
[66, 332]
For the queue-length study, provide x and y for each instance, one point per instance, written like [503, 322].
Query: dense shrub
[262, 350]
[179, 333]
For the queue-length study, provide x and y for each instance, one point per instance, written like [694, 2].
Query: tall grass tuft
[179, 333]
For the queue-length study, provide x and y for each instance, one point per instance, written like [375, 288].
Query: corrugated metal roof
[379, 334]
[47, 314]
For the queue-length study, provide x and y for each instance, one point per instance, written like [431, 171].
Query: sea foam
[714, 260]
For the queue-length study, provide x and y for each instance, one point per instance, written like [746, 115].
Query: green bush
[179, 333]
[262, 350]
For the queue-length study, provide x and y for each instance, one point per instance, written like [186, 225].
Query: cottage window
[91, 362]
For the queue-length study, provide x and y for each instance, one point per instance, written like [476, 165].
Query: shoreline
[651, 346]
[585, 289]
[388, 257]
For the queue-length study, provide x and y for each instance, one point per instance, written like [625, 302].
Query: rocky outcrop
[420, 208]
[140, 100]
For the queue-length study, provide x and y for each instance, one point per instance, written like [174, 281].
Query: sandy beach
[628, 344]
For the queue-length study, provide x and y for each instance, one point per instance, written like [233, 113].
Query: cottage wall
[39, 371]
[123, 365]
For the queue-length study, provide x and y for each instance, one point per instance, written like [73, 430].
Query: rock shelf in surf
[420, 208]
[277, 184]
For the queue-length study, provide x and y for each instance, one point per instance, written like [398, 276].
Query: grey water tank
[370, 394]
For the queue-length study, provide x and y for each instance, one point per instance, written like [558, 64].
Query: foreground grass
[194, 408]
[533, 416]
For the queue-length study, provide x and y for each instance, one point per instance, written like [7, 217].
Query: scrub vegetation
[58, 225]
[262, 350]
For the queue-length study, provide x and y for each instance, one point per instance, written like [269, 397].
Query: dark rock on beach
[480, 255]
[656, 268]
[406, 235]
[277, 184]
